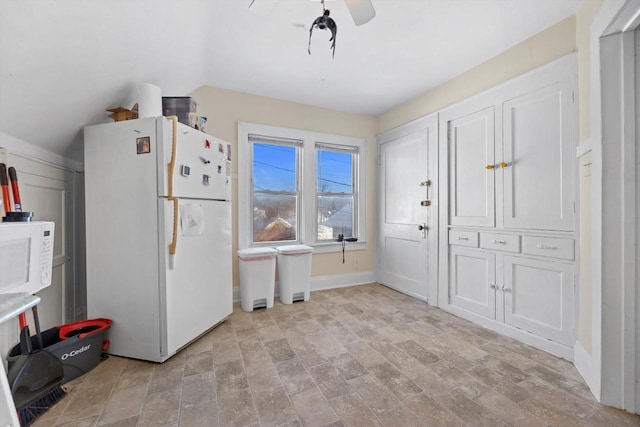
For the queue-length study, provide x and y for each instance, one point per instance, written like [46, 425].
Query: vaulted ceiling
[63, 62]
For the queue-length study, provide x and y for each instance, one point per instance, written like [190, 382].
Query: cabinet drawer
[463, 238]
[500, 242]
[549, 246]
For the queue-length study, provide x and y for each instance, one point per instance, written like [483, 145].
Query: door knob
[422, 227]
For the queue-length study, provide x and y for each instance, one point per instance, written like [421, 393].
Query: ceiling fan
[361, 11]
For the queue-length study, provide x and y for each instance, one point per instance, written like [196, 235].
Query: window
[274, 190]
[335, 191]
[299, 187]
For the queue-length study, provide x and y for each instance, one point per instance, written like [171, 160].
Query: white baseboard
[334, 281]
[584, 364]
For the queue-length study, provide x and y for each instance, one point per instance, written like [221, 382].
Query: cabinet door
[471, 185]
[472, 274]
[538, 146]
[539, 297]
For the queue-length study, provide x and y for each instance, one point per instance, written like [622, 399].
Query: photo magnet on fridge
[143, 145]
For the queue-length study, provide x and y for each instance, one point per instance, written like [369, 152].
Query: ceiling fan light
[362, 11]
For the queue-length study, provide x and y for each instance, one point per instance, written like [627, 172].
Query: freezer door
[202, 164]
[198, 292]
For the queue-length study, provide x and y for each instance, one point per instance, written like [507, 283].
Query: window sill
[322, 248]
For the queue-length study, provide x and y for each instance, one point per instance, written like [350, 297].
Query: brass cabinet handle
[489, 167]
[503, 164]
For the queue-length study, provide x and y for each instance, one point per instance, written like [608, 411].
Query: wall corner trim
[584, 364]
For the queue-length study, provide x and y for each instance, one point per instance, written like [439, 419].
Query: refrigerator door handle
[174, 237]
[172, 163]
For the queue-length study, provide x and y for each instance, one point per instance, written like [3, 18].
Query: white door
[471, 142]
[539, 297]
[47, 191]
[537, 168]
[198, 291]
[472, 280]
[403, 250]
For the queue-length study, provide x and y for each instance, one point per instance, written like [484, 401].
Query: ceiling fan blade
[362, 11]
[262, 7]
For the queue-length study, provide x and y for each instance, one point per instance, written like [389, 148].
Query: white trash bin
[257, 277]
[294, 272]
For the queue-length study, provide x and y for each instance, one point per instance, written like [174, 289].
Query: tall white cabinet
[507, 251]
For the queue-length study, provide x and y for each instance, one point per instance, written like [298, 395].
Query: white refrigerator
[158, 234]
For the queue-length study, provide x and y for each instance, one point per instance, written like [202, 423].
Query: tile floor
[359, 356]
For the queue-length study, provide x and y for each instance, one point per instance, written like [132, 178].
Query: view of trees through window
[276, 192]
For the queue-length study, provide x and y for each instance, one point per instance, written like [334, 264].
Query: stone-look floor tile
[123, 404]
[313, 409]
[136, 373]
[226, 351]
[481, 376]
[254, 356]
[374, 394]
[607, 416]
[264, 379]
[400, 416]
[128, 422]
[397, 357]
[559, 398]
[502, 353]
[230, 376]
[204, 414]
[274, 407]
[165, 381]
[237, 409]
[352, 411]
[431, 413]
[88, 401]
[507, 411]
[198, 363]
[418, 352]
[85, 422]
[294, 377]
[549, 413]
[160, 409]
[279, 350]
[401, 386]
[348, 366]
[198, 389]
[468, 411]
[426, 378]
[329, 381]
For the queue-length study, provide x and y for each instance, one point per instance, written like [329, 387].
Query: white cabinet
[532, 294]
[471, 143]
[539, 297]
[511, 161]
[472, 272]
[507, 206]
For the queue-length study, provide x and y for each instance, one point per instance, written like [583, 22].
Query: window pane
[274, 217]
[334, 172]
[335, 216]
[274, 167]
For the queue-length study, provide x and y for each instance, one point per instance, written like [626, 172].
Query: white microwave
[26, 256]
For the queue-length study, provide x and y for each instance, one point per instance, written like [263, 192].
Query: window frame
[307, 225]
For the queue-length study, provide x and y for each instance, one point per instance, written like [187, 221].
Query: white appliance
[26, 255]
[158, 224]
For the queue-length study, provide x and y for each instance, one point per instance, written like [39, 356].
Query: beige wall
[225, 108]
